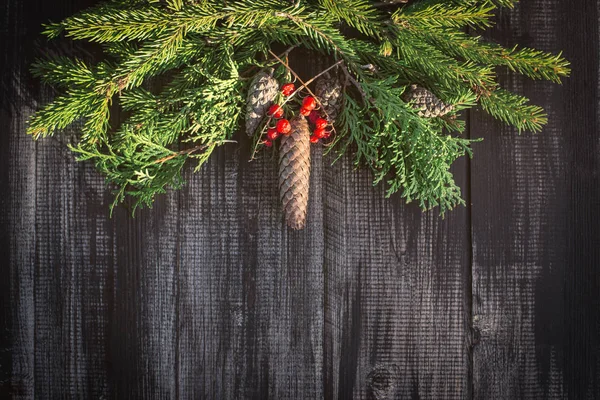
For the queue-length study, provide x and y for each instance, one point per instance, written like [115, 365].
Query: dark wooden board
[536, 221]
[397, 307]
[209, 295]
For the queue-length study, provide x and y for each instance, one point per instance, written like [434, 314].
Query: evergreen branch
[413, 155]
[359, 14]
[136, 174]
[431, 66]
[505, 3]
[152, 59]
[200, 49]
[63, 111]
[64, 72]
[326, 37]
[190, 151]
[533, 63]
[436, 14]
[107, 23]
[514, 110]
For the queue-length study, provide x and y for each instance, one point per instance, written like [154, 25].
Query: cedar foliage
[207, 51]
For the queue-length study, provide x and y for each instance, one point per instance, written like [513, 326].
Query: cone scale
[294, 173]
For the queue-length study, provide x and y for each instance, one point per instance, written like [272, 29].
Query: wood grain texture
[250, 289]
[397, 308]
[535, 207]
[209, 295]
[250, 300]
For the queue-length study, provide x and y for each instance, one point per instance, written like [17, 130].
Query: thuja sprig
[180, 70]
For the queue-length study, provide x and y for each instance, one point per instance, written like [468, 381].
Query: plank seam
[469, 272]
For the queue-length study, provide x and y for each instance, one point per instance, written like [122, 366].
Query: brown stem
[389, 3]
[304, 85]
[269, 61]
[356, 84]
[190, 151]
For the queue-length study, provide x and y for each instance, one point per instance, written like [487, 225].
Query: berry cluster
[307, 109]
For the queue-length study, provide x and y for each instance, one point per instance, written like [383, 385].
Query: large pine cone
[427, 103]
[329, 91]
[294, 173]
[263, 90]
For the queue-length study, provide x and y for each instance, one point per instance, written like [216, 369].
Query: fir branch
[505, 3]
[165, 53]
[532, 63]
[324, 36]
[63, 111]
[358, 14]
[64, 72]
[514, 110]
[434, 67]
[448, 14]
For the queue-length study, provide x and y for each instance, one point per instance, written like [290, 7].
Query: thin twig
[191, 151]
[271, 60]
[389, 3]
[304, 85]
[355, 83]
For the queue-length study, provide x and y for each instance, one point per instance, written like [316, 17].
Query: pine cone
[294, 173]
[427, 103]
[262, 92]
[329, 92]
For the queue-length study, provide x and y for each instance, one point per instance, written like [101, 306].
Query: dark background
[209, 295]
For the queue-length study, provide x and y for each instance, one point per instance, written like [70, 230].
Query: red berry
[321, 123]
[320, 132]
[314, 116]
[272, 134]
[326, 135]
[276, 111]
[283, 126]
[305, 111]
[268, 143]
[288, 89]
[309, 103]
[314, 139]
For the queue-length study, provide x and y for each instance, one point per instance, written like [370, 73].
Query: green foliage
[177, 73]
[438, 14]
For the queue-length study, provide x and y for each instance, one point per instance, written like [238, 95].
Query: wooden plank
[397, 286]
[81, 324]
[141, 345]
[67, 325]
[17, 217]
[250, 309]
[250, 289]
[18, 222]
[536, 209]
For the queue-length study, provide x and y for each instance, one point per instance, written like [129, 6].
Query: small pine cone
[329, 92]
[294, 173]
[427, 103]
[262, 92]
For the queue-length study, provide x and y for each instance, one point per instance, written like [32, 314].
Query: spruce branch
[447, 14]
[532, 63]
[514, 110]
